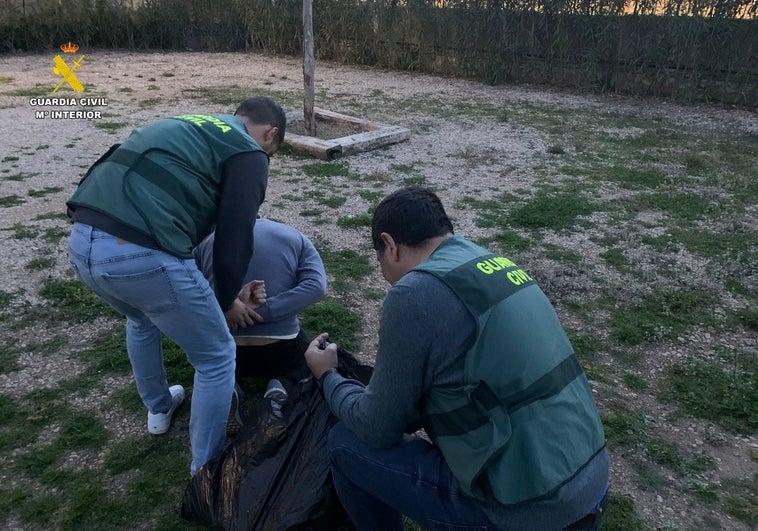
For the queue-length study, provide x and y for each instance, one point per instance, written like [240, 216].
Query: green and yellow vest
[524, 421]
[164, 181]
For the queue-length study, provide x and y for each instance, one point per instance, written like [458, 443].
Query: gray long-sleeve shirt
[292, 269]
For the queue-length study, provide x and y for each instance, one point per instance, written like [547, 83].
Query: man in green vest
[471, 350]
[138, 213]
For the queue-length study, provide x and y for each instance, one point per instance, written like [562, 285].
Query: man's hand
[321, 360]
[253, 293]
[241, 315]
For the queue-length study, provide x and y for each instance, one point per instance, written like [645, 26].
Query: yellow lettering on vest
[484, 267]
[200, 119]
[490, 265]
[518, 277]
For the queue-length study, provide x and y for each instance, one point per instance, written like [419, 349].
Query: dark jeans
[283, 360]
[377, 487]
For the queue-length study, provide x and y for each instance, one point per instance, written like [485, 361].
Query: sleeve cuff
[323, 377]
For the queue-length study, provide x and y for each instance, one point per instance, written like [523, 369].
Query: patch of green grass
[4, 80]
[39, 510]
[11, 499]
[19, 177]
[625, 428]
[332, 316]
[695, 164]
[633, 381]
[634, 179]
[664, 453]
[11, 201]
[6, 297]
[615, 257]
[721, 246]
[128, 90]
[10, 158]
[345, 266]
[556, 149]
[723, 392]
[52, 215]
[49, 346]
[54, 234]
[561, 254]
[45, 191]
[649, 478]
[110, 127]
[748, 316]
[22, 232]
[149, 102]
[683, 207]
[354, 222]
[40, 263]
[371, 196]
[373, 294]
[557, 211]
[704, 491]
[82, 429]
[36, 91]
[621, 516]
[586, 346]
[325, 169]
[664, 314]
[741, 500]
[8, 358]
[73, 300]
[333, 201]
[416, 179]
[508, 241]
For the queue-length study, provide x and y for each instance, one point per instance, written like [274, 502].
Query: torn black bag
[275, 475]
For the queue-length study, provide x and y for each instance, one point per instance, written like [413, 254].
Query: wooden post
[309, 64]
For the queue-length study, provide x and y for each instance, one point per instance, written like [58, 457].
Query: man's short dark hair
[264, 110]
[411, 216]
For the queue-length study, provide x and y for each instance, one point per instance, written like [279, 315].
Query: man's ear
[391, 250]
[270, 135]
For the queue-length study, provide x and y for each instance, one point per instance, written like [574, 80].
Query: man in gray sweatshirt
[471, 350]
[290, 270]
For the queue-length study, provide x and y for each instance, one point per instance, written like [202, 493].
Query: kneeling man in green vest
[471, 350]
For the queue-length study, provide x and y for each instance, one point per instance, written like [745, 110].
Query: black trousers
[283, 360]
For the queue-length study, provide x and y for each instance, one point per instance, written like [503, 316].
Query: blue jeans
[160, 293]
[412, 478]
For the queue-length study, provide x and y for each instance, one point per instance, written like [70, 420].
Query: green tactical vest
[165, 179]
[524, 421]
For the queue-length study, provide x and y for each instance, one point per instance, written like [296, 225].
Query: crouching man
[471, 350]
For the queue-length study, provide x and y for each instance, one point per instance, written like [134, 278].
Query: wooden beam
[374, 136]
[309, 67]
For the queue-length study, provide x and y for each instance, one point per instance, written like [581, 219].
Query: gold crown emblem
[69, 48]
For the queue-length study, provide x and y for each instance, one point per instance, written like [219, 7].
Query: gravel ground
[47, 154]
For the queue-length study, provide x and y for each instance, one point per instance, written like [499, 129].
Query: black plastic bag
[275, 474]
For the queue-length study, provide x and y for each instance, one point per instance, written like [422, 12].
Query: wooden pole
[309, 65]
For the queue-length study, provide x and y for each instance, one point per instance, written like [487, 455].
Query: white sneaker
[158, 423]
[276, 392]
